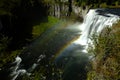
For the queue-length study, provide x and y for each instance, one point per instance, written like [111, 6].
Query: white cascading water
[16, 70]
[94, 23]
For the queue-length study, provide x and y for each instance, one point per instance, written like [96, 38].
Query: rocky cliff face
[59, 9]
[63, 9]
[80, 11]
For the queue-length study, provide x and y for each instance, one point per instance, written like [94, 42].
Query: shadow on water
[74, 62]
[48, 45]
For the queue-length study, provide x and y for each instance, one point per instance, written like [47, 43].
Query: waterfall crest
[94, 22]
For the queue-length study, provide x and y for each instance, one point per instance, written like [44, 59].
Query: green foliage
[103, 5]
[3, 43]
[6, 56]
[106, 50]
[39, 29]
[100, 3]
[49, 71]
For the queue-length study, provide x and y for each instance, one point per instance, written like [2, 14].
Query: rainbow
[61, 50]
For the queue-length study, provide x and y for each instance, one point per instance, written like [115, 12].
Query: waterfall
[75, 56]
[94, 22]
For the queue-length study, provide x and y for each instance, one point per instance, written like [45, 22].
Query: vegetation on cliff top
[98, 4]
[106, 61]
